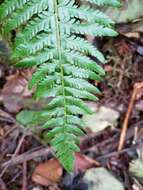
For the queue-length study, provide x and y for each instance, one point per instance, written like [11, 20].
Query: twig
[135, 134]
[3, 171]
[27, 156]
[137, 87]
[103, 143]
[4, 116]
[15, 153]
[10, 131]
[24, 182]
[19, 145]
[2, 185]
[115, 153]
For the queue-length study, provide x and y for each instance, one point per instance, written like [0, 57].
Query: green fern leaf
[50, 36]
[9, 6]
[114, 3]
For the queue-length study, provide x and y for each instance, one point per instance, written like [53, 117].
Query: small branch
[19, 145]
[117, 153]
[3, 171]
[24, 182]
[26, 157]
[137, 87]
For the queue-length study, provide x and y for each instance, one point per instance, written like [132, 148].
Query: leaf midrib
[59, 50]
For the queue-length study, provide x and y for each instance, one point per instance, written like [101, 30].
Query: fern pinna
[50, 35]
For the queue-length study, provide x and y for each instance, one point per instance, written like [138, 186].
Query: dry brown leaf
[132, 35]
[108, 68]
[48, 173]
[123, 47]
[82, 162]
[14, 90]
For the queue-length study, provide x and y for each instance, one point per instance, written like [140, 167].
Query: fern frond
[79, 103]
[81, 84]
[41, 73]
[114, 3]
[36, 44]
[80, 94]
[37, 59]
[24, 14]
[41, 23]
[56, 112]
[90, 29]
[75, 58]
[81, 73]
[84, 13]
[48, 86]
[79, 44]
[50, 35]
[9, 6]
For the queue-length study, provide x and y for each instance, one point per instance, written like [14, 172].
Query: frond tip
[50, 35]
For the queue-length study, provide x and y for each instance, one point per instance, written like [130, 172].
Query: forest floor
[25, 161]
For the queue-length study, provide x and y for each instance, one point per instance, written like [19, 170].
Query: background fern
[50, 36]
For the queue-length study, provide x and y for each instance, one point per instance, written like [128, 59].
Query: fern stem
[59, 49]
